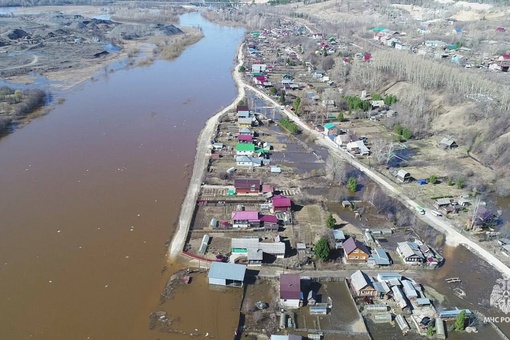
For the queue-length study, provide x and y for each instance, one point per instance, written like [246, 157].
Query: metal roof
[245, 215]
[351, 244]
[280, 201]
[423, 301]
[338, 235]
[247, 183]
[290, 286]
[380, 257]
[360, 280]
[227, 271]
[246, 243]
[409, 290]
[409, 249]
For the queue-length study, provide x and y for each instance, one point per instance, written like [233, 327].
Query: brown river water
[90, 193]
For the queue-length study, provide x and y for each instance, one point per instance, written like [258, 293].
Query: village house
[245, 122]
[245, 149]
[379, 257]
[290, 291]
[247, 186]
[248, 161]
[410, 253]
[442, 202]
[362, 284]
[253, 249]
[258, 67]
[358, 147]
[245, 219]
[281, 203]
[245, 132]
[226, 274]
[244, 138]
[355, 251]
[243, 111]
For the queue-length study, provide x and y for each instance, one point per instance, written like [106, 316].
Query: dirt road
[199, 168]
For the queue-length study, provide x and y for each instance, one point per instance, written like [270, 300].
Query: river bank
[200, 165]
[73, 44]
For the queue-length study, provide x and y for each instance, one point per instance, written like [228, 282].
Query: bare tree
[383, 150]
[336, 170]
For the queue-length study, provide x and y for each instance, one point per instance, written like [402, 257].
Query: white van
[436, 213]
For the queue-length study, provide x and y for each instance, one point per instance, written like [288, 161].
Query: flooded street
[90, 193]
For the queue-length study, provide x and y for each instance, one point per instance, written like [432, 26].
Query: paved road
[453, 236]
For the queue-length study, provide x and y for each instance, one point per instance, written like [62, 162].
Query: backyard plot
[311, 220]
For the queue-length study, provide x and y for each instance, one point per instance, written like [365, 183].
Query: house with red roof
[281, 203]
[269, 222]
[259, 80]
[504, 57]
[355, 251]
[290, 291]
[245, 219]
[245, 138]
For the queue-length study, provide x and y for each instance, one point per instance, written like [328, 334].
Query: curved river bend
[90, 192]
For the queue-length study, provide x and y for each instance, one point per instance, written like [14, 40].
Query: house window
[354, 257]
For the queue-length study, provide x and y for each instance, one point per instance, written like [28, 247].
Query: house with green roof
[245, 149]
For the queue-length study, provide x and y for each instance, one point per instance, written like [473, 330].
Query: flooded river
[90, 193]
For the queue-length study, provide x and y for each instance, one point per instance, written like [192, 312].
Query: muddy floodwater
[90, 193]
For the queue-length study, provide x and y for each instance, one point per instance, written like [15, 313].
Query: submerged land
[344, 166]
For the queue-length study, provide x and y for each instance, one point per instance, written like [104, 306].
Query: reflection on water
[90, 193]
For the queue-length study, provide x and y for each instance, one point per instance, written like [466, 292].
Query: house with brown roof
[247, 186]
[355, 251]
[290, 290]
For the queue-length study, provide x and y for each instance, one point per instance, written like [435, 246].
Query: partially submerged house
[290, 290]
[226, 274]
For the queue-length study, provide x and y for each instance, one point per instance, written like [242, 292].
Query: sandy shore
[200, 165]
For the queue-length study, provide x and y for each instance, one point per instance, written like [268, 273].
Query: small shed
[382, 317]
[204, 244]
[319, 309]
[403, 176]
[213, 223]
[226, 274]
[447, 143]
[402, 323]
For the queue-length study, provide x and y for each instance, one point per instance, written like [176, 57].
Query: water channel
[90, 193]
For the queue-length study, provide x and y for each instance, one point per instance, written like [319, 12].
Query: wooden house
[355, 251]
